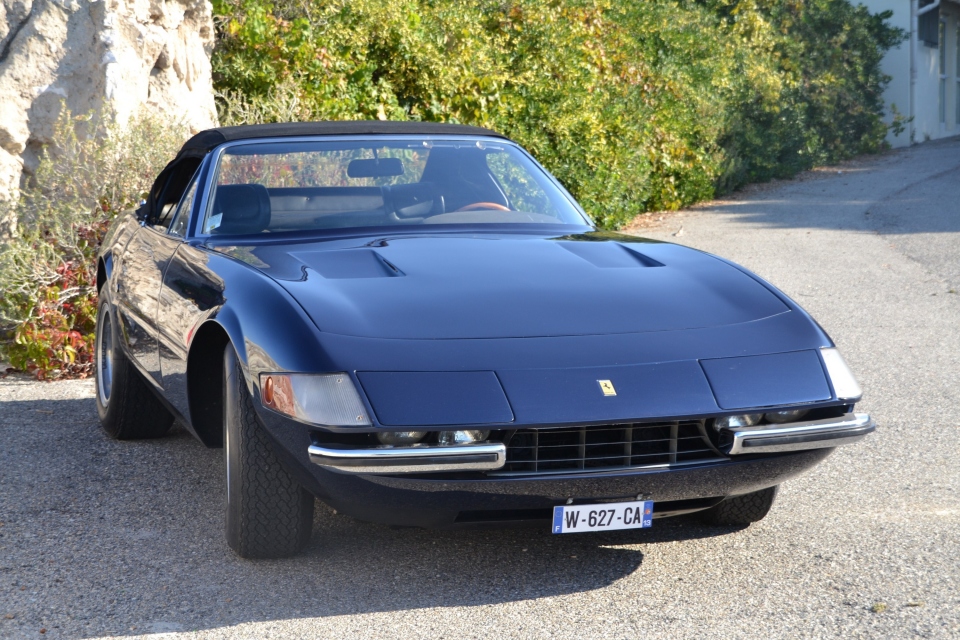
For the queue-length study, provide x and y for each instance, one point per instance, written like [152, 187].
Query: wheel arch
[268, 330]
[205, 381]
[101, 274]
[104, 267]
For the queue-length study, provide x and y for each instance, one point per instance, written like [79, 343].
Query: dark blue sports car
[418, 325]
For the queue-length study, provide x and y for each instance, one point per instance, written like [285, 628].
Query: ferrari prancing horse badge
[607, 387]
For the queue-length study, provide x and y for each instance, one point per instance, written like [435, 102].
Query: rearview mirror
[375, 168]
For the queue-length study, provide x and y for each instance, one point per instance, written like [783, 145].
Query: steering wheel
[484, 205]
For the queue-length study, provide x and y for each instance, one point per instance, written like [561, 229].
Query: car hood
[435, 287]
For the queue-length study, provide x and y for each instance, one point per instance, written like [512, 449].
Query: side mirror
[143, 212]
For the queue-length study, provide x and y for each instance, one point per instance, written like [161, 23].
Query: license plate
[602, 517]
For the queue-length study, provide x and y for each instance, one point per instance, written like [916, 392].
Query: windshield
[271, 187]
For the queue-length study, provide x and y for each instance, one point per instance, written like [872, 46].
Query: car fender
[267, 327]
[787, 300]
[213, 300]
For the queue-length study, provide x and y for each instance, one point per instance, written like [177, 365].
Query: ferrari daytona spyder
[418, 325]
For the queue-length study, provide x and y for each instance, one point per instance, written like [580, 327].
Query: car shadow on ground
[100, 537]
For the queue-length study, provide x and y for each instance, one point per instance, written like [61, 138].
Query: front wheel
[269, 515]
[127, 408]
[742, 510]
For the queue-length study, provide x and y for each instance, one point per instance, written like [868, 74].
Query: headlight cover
[399, 438]
[783, 417]
[733, 422]
[321, 399]
[462, 437]
[844, 384]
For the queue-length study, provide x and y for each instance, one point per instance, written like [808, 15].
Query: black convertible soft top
[201, 144]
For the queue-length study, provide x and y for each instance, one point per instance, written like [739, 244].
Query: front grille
[606, 447]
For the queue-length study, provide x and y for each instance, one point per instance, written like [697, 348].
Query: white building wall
[896, 64]
[917, 93]
[951, 11]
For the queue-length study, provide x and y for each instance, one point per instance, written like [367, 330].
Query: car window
[288, 166]
[169, 188]
[271, 187]
[519, 186]
[180, 219]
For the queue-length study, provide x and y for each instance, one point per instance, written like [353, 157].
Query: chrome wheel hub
[104, 357]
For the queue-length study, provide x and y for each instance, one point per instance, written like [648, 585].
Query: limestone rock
[113, 55]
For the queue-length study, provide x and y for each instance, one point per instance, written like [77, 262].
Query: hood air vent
[609, 255]
[348, 263]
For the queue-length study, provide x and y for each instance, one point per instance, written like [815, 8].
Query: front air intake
[606, 447]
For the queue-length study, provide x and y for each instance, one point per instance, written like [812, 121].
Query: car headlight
[395, 438]
[844, 384]
[781, 417]
[322, 399]
[462, 437]
[732, 422]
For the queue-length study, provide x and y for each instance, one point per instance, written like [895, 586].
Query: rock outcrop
[113, 55]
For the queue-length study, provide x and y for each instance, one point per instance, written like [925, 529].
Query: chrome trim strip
[413, 459]
[799, 436]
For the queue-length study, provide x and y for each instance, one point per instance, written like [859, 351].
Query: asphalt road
[102, 538]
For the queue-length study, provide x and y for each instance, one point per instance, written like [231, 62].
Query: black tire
[269, 515]
[741, 510]
[127, 408]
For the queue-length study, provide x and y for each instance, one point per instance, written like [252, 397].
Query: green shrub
[634, 106]
[48, 300]
[826, 57]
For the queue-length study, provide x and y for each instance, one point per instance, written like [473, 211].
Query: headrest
[244, 208]
[414, 200]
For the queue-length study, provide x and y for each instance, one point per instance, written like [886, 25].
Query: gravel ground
[101, 538]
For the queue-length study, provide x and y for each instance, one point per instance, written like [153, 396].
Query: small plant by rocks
[94, 169]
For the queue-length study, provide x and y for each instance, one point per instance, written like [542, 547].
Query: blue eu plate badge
[602, 517]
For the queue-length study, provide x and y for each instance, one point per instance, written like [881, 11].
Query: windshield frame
[215, 157]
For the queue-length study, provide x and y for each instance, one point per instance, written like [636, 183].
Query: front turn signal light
[328, 399]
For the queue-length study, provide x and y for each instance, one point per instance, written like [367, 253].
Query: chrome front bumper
[489, 456]
[798, 436]
[484, 456]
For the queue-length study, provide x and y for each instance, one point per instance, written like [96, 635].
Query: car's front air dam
[425, 501]
[428, 502]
